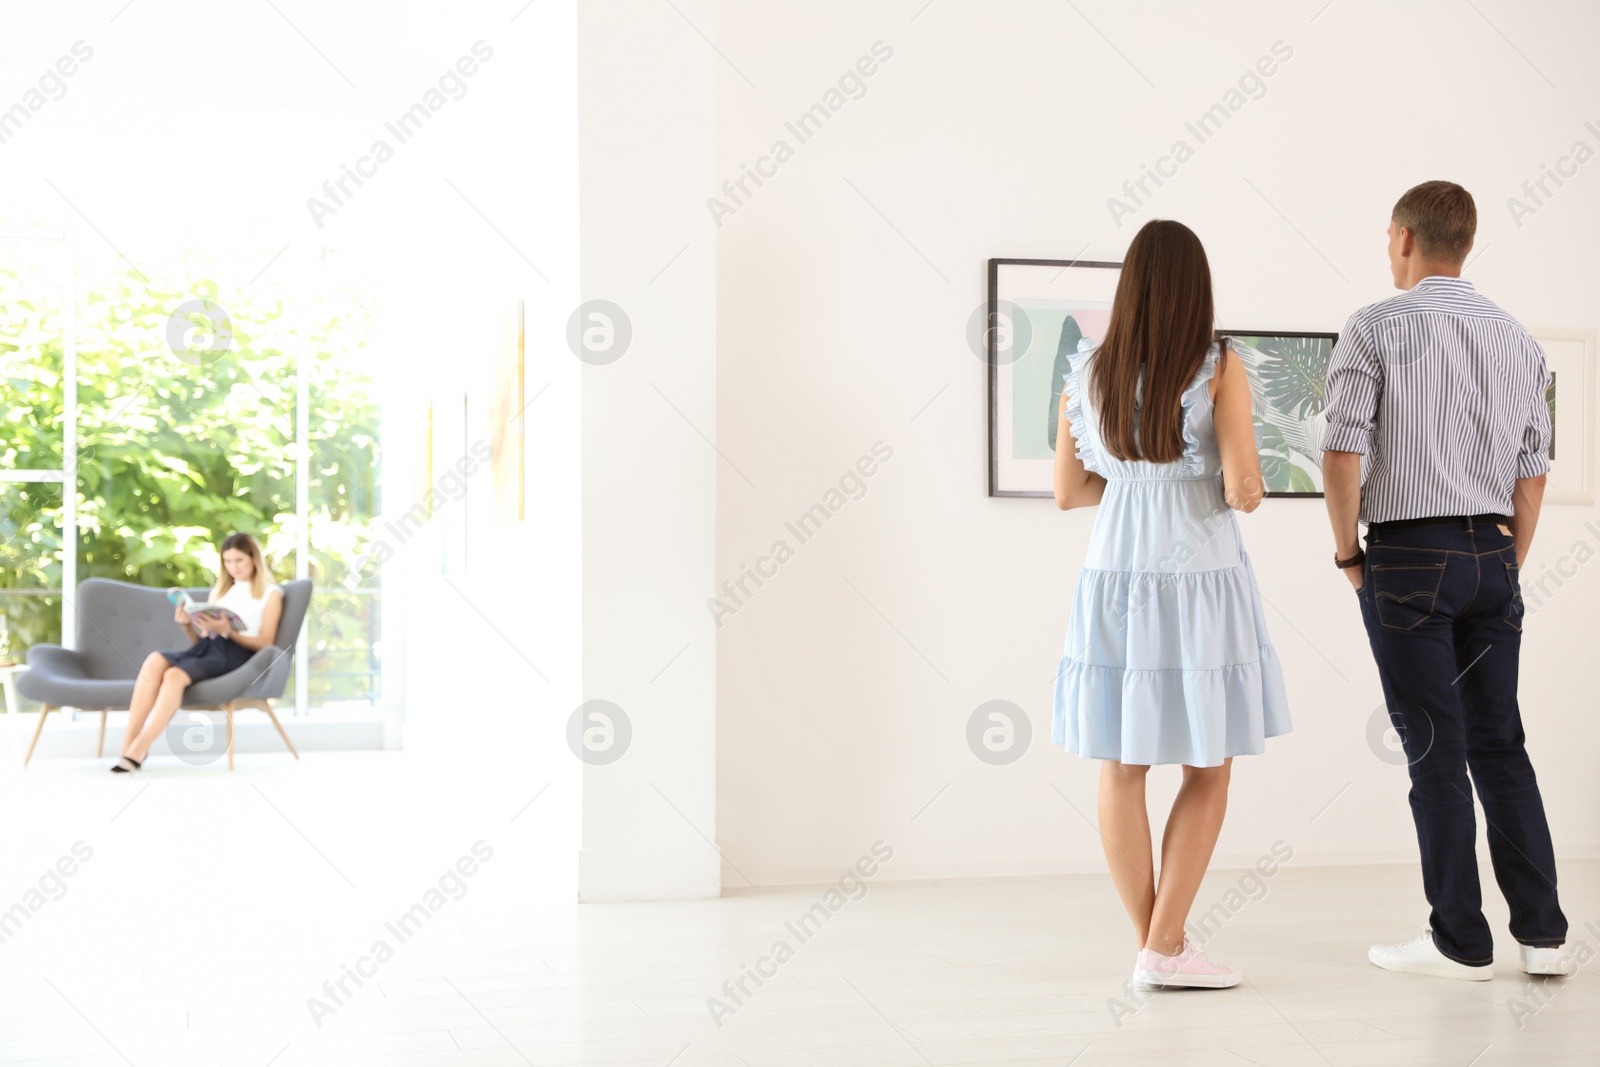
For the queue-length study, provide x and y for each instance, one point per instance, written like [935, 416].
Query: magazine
[205, 609]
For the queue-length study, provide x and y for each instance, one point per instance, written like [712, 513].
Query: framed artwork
[505, 422]
[1569, 356]
[1288, 375]
[1038, 310]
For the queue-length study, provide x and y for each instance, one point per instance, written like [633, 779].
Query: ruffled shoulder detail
[1196, 405]
[1075, 381]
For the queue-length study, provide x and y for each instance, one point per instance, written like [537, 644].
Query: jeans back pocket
[1515, 609]
[1405, 588]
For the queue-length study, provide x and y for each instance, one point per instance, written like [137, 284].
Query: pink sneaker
[1188, 969]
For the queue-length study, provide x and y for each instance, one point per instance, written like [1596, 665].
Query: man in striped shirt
[1443, 395]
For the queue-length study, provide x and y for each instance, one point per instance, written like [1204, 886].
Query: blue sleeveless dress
[1167, 658]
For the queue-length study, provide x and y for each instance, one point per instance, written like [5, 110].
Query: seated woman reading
[215, 648]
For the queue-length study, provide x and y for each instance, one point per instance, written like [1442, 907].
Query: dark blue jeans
[1443, 609]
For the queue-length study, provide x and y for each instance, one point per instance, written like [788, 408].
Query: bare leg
[144, 697]
[173, 682]
[1186, 847]
[1125, 836]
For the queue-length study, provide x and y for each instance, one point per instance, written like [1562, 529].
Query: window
[148, 416]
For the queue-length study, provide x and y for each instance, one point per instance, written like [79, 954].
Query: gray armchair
[119, 625]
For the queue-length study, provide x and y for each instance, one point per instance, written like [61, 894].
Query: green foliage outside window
[175, 454]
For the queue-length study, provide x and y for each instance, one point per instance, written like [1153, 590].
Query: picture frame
[506, 433]
[1027, 339]
[1288, 372]
[1029, 303]
[1570, 359]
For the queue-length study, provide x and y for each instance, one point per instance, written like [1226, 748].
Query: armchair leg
[44, 713]
[100, 744]
[228, 710]
[266, 706]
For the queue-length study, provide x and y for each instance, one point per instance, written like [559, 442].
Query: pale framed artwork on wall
[506, 433]
[1038, 310]
[1569, 356]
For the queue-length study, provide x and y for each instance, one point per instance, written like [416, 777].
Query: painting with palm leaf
[1288, 375]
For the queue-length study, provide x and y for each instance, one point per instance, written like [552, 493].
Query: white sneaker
[1422, 956]
[1536, 960]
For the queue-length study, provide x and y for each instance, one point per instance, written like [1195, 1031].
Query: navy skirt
[209, 657]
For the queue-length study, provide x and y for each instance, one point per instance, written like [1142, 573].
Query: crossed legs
[1159, 910]
[157, 693]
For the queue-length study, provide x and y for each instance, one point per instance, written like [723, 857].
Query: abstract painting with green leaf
[1288, 376]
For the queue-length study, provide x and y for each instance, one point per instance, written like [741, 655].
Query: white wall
[845, 286]
[492, 657]
[647, 98]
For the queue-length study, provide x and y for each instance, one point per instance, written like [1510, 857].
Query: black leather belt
[1466, 522]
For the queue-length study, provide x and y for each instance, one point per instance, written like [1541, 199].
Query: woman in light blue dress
[1167, 658]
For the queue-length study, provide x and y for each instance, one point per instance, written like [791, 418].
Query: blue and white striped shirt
[1444, 393]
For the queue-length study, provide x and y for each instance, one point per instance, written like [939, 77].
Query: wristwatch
[1354, 561]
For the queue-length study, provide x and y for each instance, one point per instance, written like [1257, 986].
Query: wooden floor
[215, 907]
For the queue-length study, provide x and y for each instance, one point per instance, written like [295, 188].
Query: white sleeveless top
[247, 607]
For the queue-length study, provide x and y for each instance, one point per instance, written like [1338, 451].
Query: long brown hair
[246, 544]
[1161, 324]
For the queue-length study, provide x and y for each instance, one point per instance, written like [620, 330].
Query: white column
[302, 510]
[69, 457]
[647, 123]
